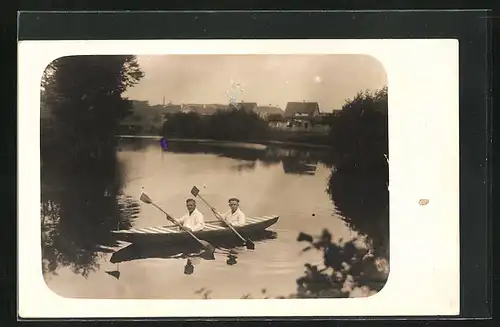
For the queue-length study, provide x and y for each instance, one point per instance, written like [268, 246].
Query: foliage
[360, 132]
[350, 269]
[275, 118]
[82, 105]
[83, 95]
[237, 124]
[189, 125]
[232, 124]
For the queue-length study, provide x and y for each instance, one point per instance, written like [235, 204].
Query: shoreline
[267, 142]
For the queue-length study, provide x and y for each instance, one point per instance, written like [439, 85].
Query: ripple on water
[270, 257]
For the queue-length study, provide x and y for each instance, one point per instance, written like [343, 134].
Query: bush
[189, 125]
[359, 134]
[237, 125]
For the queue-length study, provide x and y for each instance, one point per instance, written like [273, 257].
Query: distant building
[301, 113]
[246, 106]
[170, 109]
[210, 109]
[203, 109]
[265, 111]
[336, 112]
[146, 118]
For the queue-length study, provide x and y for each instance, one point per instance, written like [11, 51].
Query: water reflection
[81, 205]
[114, 273]
[297, 166]
[362, 199]
[302, 161]
[189, 267]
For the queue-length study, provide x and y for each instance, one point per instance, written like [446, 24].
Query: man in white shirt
[234, 216]
[193, 219]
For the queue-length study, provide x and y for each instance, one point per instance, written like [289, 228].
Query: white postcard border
[424, 164]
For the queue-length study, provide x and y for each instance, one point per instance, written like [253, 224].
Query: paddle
[248, 242]
[209, 248]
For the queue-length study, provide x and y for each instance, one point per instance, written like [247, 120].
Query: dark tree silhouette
[189, 125]
[82, 104]
[349, 269]
[358, 185]
[232, 124]
[359, 134]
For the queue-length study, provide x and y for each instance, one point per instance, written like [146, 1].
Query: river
[297, 184]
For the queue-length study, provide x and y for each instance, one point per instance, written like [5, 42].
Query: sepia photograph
[215, 176]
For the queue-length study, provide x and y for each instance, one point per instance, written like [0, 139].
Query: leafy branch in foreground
[350, 269]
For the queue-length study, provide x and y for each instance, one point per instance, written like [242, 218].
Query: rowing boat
[214, 230]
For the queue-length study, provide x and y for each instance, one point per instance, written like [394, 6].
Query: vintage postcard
[240, 178]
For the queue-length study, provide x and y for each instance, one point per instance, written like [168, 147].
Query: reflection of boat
[227, 247]
[302, 167]
[214, 231]
[134, 252]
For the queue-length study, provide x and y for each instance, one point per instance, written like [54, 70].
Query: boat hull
[213, 232]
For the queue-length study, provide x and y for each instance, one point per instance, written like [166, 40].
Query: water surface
[297, 184]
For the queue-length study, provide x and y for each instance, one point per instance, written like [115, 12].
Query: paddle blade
[145, 198]
[195, 191]
[250, 245]
[115, 274]
[208, 254]
[209, 250]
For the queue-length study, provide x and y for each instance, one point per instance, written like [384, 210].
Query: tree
[190, 125]
[360, 132]
[358, 185]
[81, 97]
[237, 125]
[233, 124]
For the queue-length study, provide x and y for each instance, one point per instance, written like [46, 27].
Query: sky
[265, 79]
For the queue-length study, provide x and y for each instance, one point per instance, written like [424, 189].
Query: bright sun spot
[318, 79]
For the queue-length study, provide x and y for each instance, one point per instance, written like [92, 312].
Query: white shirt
[236, 219]
[194, 221]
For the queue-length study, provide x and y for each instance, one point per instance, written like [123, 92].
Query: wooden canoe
[214, 230]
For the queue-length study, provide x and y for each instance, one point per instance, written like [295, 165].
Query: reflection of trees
[247, 165]
[363, 202]
[78, 217]
[294, 161]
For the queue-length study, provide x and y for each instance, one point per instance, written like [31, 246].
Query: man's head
[190, 205]
[234, 203]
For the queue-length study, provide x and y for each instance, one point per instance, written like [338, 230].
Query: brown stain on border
[423, 202]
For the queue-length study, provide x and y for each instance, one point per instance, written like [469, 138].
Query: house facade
[265, 112]
[301, 114]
